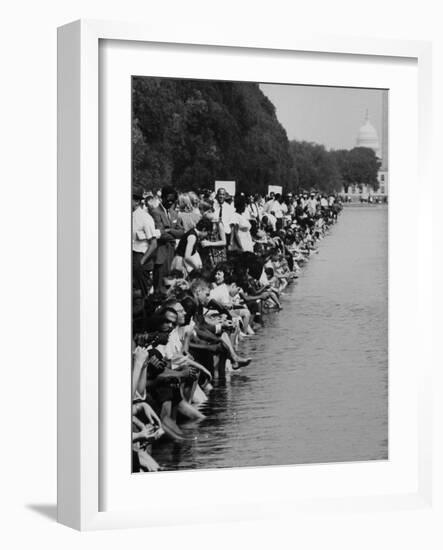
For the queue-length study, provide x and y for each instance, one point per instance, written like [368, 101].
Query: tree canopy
[330, 171]
[357, 166]
[315, 167]
[189, 133]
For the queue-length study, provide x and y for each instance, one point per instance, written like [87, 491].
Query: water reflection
[317, 390]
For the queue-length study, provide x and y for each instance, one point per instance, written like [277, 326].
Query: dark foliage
[357, 166]
[316, 168]
[329, 171]
[189, 133]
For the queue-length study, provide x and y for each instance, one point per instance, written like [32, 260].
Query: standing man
[144, 244]
[274, 207]
[171, 228]
[269, 204]
[278, 210]
[223, 212]
[312, 204]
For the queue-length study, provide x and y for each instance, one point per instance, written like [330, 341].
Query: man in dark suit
[171, 228]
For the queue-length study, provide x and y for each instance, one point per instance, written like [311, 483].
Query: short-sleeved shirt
[227, 211]
[274, 206]
[243, 233]
[176, 340]
[272, 220]
[220, 294]
[143, 230]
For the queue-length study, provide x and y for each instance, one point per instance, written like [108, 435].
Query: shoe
[242, 363]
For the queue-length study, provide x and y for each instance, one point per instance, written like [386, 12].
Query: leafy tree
[189, 133]
[316, 167]
[364, 166]
[341, 157]
[358, 166]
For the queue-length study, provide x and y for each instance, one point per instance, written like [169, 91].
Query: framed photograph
[233, 268]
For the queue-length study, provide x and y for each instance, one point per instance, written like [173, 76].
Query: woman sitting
[164, 384]
[212, 334]
[187, 257]
[226, 292]
[176, 351]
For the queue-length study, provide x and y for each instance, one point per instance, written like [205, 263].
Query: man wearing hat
[144, 244]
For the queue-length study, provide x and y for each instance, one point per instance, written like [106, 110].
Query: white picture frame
[80, 294]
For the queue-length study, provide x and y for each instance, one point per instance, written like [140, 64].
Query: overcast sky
[326, 115]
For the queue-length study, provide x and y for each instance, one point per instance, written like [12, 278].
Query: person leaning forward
[171, 228]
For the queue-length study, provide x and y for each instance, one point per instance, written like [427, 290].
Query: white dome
[367, 137]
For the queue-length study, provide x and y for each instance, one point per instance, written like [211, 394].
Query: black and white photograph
[259, 274]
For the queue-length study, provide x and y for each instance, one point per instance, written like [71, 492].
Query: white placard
[276, 189]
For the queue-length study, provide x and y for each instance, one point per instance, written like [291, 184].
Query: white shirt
[226, 217]
[220, 294]
[268, 206]
[274, 206]
[174, 347]
[253, 211]
[263, 279]
[312, 205]
[243, 233]
[278, 209]
[143, 230]
[272, 220]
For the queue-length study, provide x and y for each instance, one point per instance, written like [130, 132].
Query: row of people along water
[206, 269]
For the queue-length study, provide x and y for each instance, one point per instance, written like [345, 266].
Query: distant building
[368, 137]
[383, 173]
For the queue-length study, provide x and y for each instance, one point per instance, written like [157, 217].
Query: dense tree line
[330, 171]
[357, 166]
[315, 167]
[189, 133]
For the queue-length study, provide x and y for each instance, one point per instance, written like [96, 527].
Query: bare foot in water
[174, 431]
[147, 462]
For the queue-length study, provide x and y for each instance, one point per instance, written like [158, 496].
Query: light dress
[243, 233]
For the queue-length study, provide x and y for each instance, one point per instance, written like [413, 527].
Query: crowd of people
[206, 268]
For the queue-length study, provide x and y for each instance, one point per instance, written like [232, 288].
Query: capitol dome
[367, 137]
